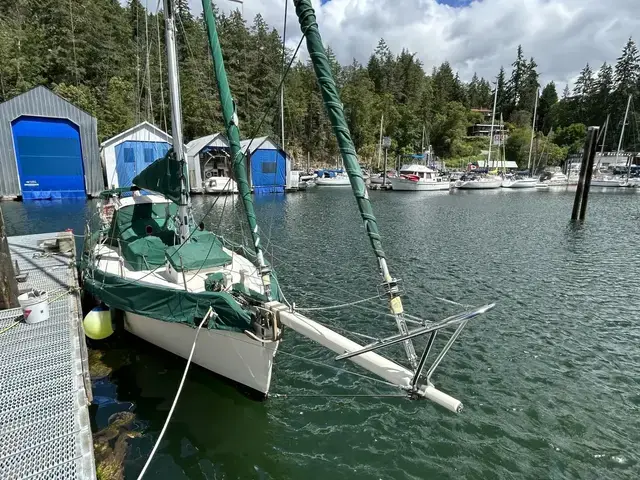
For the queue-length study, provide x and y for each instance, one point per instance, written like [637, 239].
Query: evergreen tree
[548, 98]
[516, 82]
[503, 99]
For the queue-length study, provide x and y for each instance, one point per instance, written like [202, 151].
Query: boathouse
[48, 148]
[128, 153]
[270, 165]
[208, 157]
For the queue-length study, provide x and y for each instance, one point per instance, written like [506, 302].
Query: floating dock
[45, 388]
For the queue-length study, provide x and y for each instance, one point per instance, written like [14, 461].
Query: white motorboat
[558, 179]
[419, 178]
[220, 185]
[519, 182]
[332, 178]
[609, 181]
[479, 183]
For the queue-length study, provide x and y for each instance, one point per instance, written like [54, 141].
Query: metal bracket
[390, 289]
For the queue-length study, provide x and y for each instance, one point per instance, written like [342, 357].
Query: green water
[550, 378]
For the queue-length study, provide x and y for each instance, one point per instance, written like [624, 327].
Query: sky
[473, 35]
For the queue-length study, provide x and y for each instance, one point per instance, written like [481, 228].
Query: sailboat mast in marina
[149, 260]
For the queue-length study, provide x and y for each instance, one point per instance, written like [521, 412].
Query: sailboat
[476, 182]
[528, 181]
[602, 179]
[170, 276]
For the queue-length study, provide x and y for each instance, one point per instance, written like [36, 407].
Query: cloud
[477, 36]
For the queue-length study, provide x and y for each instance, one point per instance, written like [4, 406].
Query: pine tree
[583, 93]
[566, 93]
[517, 80]
[503, 100]
[548, 98]
[627, 69]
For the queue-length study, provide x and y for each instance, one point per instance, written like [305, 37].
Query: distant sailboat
[528, 181]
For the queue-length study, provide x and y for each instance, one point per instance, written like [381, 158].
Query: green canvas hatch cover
[167, 304]
[197, 255]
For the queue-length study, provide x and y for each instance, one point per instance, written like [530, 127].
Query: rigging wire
[73, 42]
[164, 107]
[175, 400]
[148, 68]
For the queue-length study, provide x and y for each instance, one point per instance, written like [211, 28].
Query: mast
[380, 141]
[493, 120]
[504, 151]
[176, 116]
[333, 105]
[239, 159]
[624, 123]
[284, 58]
[533, 130]
[604, 138]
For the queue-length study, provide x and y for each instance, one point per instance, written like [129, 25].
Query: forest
[109, 59]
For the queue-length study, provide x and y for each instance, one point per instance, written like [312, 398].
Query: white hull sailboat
[480, 183]
[519, 183]
[174, 279]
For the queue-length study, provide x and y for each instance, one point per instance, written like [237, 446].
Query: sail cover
[162, 176]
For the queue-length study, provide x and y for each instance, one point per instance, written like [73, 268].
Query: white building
[128, 153]
[207, 157]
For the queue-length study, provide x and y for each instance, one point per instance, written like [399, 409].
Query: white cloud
[562, 35]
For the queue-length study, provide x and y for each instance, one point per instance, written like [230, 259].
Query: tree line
[108, 59]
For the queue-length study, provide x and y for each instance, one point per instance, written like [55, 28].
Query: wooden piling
[586, 170]
[8, 282]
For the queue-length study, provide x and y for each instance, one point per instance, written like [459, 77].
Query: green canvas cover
[162, 176]
[144, 253]
[131, 222]
[167, 304]
[197, 255]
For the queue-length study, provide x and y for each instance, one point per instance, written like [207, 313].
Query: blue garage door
[49, 158]
[132, 157]
[268, 171]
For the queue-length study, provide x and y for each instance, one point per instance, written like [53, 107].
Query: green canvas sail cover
[197, 255]
[167, 304]
[162, 176]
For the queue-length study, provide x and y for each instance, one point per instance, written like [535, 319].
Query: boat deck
[45, 388]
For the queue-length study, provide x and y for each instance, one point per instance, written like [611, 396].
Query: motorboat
[557, 179]
[220, 185]
[610, 181]
[419, 178]
[332, 178]
[517, 181]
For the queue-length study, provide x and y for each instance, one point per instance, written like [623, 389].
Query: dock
[45, 388]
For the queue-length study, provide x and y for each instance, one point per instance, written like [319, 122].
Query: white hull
[403, 184]
[232, 355]
[480, 184]
[333, 182]
[520, 183]
[552, 184]
[220, 185]
[612, 182]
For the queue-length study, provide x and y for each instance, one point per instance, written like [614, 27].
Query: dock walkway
[45, 388]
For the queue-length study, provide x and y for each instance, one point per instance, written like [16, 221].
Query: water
[550, 378]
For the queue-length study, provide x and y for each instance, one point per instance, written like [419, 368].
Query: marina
[225, 254]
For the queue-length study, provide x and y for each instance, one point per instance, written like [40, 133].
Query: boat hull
[609, 183]
[232, 355]
[333, 182]
[479, 185]
[520, 183]
[402, 184]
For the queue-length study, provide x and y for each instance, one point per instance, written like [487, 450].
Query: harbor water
[550, 378]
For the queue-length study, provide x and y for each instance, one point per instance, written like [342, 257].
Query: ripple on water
[549, 378]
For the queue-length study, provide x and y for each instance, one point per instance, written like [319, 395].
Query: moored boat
[417, 177]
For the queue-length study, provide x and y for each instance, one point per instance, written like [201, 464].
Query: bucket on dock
[35, 306]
